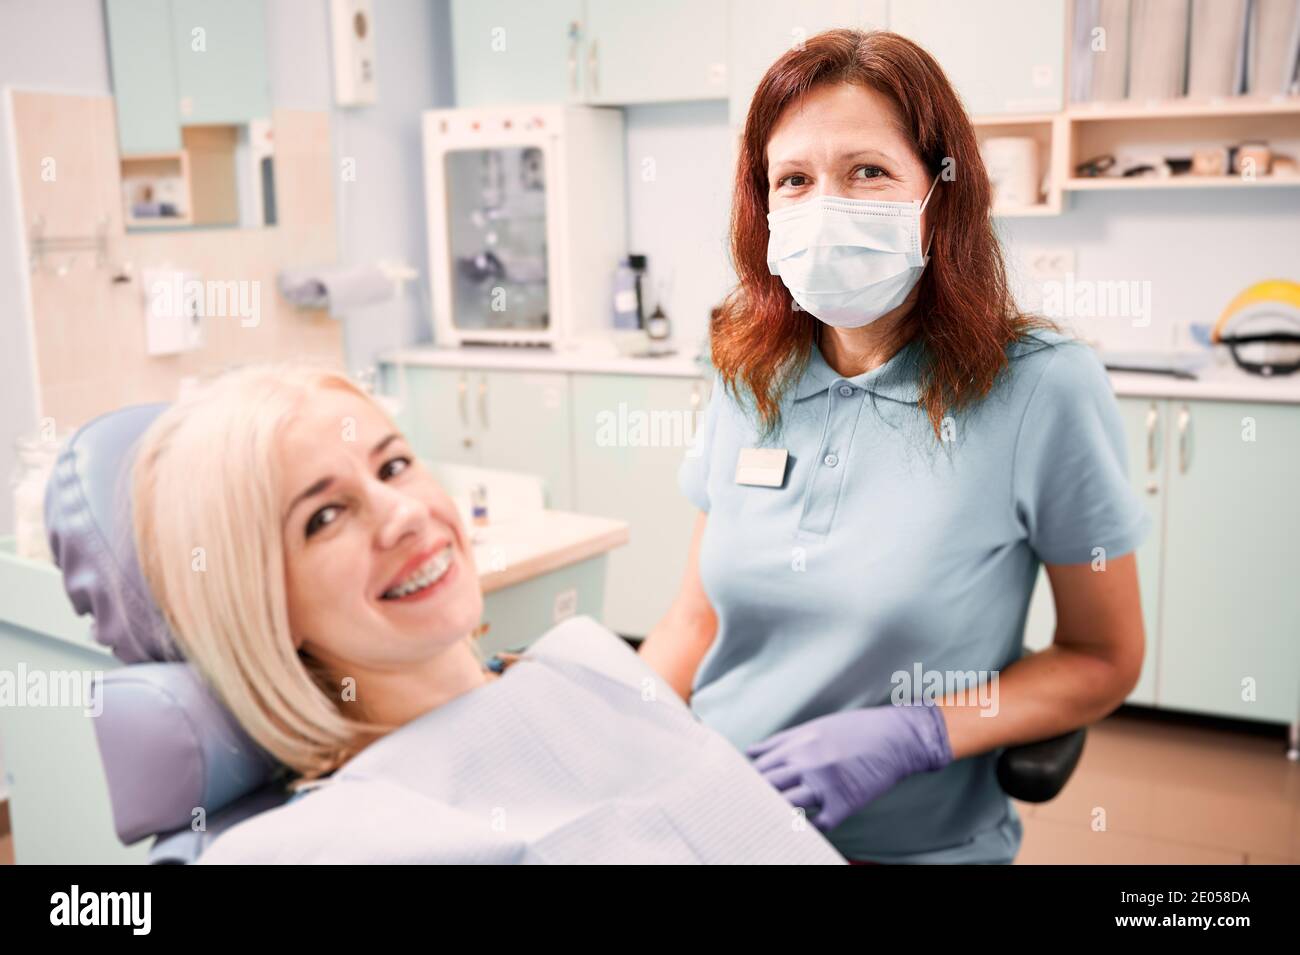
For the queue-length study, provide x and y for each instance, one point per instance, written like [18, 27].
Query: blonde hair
[209, 537]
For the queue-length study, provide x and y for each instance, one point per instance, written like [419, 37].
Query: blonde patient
[310, 517]
[314, 572]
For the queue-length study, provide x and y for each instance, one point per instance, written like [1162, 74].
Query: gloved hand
[837, 764]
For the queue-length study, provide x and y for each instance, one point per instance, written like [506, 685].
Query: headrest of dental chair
[168, 744]
[88, 520]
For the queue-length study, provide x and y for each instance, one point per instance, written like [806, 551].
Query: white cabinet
[511, 52]
[630, 434]
[607, 52]
[762, 30]
[514, 421]
[669, 50]
[1003, 56]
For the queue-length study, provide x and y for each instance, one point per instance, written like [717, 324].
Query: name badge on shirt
[761, 467]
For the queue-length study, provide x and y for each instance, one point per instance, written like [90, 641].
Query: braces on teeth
[426, 576]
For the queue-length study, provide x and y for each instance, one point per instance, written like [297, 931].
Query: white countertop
[528, 546]
[1215, 382]
[593, 360]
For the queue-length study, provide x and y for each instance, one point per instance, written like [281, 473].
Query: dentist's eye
[875, 172]
[789, 180]
[318, 520]
[384, 471]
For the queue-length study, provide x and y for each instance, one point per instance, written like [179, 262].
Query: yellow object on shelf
[1270, 291]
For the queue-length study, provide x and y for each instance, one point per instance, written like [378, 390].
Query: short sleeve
[693, 473]
[1070, 481]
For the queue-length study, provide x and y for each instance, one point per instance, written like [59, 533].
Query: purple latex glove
[837, 764]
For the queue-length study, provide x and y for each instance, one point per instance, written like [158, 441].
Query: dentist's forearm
[679, 642]
[675, 648]
[1052, 692]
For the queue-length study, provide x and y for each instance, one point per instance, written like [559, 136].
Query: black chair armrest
[1036, 772]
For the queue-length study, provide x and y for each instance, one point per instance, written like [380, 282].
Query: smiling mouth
[425, 576]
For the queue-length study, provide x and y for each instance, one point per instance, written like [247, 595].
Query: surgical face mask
[848, 261]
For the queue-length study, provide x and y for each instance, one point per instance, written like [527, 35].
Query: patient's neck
[396, 697]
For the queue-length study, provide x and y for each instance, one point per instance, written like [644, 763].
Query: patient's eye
[384, 471]
[318, 520]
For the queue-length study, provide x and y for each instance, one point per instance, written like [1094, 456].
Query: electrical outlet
[1045, 264]
[566, 605]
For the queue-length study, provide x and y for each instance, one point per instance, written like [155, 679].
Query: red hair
[964, 312]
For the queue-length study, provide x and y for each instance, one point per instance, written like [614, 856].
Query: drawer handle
[1184, 439]
[482, 401]
[462, 391]
[574, 31]
[1153, 419]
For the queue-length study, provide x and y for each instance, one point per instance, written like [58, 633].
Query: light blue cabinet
[525, 426]
[1218, 572]
[1003, 56]
[629, 436]
[1231, 619]
[511, 52]
[514, 421]
[607, 52]
[762, 30]
[1145, 429]
[185, 63]
[436, 412]
[144, 75]
[220, 52]
[656, 52]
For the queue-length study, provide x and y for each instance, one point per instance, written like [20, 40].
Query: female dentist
[891, 451]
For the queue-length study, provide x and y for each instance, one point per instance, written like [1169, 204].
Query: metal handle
[593, 67]
[1184, 439]
[1153, 418]
[696, 397]
[482, 401]
[575, 32]
[462, 390]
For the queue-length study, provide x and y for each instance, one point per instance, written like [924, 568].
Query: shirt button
[830, 460]
[846, 390]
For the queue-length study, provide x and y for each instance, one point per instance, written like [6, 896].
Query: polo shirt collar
[897, 378]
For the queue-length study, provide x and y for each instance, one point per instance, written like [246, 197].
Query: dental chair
[178, 766]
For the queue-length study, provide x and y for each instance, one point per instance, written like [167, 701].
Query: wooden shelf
[174, 165]
[1179, 109]
[1103, 183]
[1020, 212]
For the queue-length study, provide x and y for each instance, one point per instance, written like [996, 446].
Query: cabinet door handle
[1184, 439]
[1153, 419]
[482, 401]
[696, 397]
[462, 392]
[593, 67]
[575, 31]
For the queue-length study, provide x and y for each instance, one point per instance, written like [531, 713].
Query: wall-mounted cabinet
[762, 30]
[185, 63]
[1217, 573]
[1003, 56]
[604, 52]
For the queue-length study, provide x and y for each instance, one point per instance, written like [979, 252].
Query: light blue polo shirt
[885, 550]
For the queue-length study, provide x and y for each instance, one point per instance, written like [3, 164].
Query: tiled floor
[1151, 791]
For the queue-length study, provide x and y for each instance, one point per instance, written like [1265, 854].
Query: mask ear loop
[926, 202]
